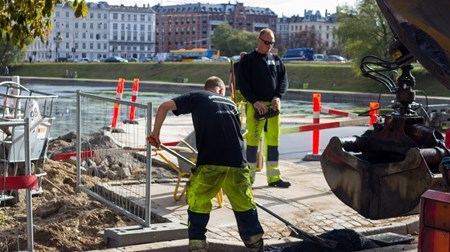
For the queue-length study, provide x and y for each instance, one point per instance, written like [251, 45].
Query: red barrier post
[373, 112]
[119, 93]
[316, 120]
[134, 95]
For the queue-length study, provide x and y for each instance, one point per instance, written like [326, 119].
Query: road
[296, 146]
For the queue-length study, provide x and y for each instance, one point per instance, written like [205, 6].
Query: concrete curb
[406, 227]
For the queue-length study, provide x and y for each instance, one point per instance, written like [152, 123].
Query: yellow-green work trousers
[271, 128]
[205, 183]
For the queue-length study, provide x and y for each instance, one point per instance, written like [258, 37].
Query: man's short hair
[265, 31]
[213, 82]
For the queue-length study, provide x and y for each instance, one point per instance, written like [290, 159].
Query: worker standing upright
[263, 82]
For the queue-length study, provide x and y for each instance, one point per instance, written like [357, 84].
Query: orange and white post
[134, 95]
[119, 93]
[316, 120]
[373, 112]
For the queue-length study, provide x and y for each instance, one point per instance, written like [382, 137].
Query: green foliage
[22, 21]
[233, 41]
[10, 54]
[363, 31]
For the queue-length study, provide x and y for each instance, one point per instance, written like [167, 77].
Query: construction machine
[384, 172]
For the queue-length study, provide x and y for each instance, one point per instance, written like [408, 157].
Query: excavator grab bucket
[384, 172]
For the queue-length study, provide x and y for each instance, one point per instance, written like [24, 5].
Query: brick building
[192, 25]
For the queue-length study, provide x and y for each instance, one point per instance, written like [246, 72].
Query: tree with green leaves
[22, 21]
[9, 53]
[363, 30]
[233, 41]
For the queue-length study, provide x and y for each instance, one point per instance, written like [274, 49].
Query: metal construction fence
[113, 159]
[11, 183]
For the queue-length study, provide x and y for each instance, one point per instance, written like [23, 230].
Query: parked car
[318, 57]
[133, 60]
[235, 58]
[222, 59]
[115, 59]
[203, 59]
[173, 58]
[84, 60]
[335, 58]
[146, 59]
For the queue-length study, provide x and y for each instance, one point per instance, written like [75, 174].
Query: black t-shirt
[262, 77]
[217, 128]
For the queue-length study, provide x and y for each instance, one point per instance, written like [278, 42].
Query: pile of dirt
[63, 219]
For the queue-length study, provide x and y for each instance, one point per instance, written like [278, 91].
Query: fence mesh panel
[114, 164]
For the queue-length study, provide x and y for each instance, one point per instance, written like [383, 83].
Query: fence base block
[133, 235]
[312, 157]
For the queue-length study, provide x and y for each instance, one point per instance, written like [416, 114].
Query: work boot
[255, 243]
[198, 246]
[280, 183]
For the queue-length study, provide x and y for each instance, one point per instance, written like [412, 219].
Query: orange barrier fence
[119, 93]
[316, 126]
[134, 94]
[316, 120]
[373, 112]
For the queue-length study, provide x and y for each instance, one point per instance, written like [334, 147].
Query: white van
[318, 57]
[84, 60]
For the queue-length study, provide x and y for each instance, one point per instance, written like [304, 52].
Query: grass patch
[319, 76]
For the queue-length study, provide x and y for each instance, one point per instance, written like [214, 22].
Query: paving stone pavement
[308, 204]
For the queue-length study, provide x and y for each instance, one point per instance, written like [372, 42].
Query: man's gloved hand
[268, 114]
[153, 141]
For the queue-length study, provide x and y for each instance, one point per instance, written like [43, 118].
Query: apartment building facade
[139, 32]
[312, 30]
[126, 31]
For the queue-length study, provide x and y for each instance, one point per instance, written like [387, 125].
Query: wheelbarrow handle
[177, 155]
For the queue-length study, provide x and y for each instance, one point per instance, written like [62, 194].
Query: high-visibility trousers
[271, 128]
[204, 185]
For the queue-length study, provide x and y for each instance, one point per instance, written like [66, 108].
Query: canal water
[65, 104]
